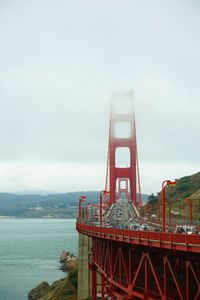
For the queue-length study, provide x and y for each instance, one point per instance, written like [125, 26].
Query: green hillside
[186, 187]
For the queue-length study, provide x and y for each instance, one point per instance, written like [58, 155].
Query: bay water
[29, 253]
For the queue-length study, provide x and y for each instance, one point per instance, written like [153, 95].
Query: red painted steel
[130, 173]
[164, 185]
[161, 240]
[138, 173]
[102, 193]
[139, 264]
[145, 265]
[81, 199]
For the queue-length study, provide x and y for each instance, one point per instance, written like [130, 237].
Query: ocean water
[29, 253]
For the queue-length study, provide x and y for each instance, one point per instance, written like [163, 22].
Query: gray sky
[59, 63]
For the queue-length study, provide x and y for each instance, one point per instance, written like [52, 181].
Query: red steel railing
[165, 240]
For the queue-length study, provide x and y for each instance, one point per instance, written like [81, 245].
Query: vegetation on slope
[186, 187]
[63, 289]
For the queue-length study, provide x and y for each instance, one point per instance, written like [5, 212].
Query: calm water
[29, 253]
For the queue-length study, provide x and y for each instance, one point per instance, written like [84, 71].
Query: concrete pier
[84, 274]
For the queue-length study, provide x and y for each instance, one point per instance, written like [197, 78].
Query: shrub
[73, 278]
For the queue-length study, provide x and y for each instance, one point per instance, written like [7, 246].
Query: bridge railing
[165, 240]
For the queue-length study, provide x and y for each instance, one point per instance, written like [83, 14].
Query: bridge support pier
[84, 274]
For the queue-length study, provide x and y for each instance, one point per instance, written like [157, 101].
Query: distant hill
[49, 206]
[37, 205]
[186, 187]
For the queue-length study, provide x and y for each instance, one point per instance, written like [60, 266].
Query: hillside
[45, 206]
[186, 187]
[37, 205]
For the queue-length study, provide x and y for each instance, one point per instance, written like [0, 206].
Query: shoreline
[59, 289]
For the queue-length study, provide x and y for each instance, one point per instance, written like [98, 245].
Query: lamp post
[102, 193]
[88, 215]
[189, 201]
[158, 211]
[164, 185]
[81, 199]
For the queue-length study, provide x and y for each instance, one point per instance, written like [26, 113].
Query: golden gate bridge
[128, 263]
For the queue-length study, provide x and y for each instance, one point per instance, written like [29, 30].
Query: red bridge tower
[123, 174]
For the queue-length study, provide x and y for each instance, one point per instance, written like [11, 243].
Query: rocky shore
[63, 289]
[69, 261]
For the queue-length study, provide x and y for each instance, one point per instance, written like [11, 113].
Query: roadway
[121, 215]
[124, 215]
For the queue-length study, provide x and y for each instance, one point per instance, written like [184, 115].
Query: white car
[144, 227]
[187, 229]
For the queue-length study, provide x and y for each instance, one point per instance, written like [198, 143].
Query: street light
[81, 199]
[158, 206]
[88, 215]
[164, 185]
[102, 194]
[189, 201]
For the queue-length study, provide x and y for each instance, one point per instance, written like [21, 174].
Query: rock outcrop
[40, 291]
[59, 290]
[68, 261]
[63, 289]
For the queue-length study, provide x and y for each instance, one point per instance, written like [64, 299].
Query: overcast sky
[60, 61]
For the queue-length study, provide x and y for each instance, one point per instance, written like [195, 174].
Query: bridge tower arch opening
[123, 188]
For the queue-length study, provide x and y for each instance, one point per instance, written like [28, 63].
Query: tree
[152, 199]
[73, 278]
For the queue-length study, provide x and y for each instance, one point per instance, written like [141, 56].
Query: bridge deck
[164, 240]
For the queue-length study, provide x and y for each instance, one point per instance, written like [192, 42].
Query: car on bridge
[144, 227]
[187, 229]
[135, 226]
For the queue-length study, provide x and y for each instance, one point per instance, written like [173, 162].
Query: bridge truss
[144, 265]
